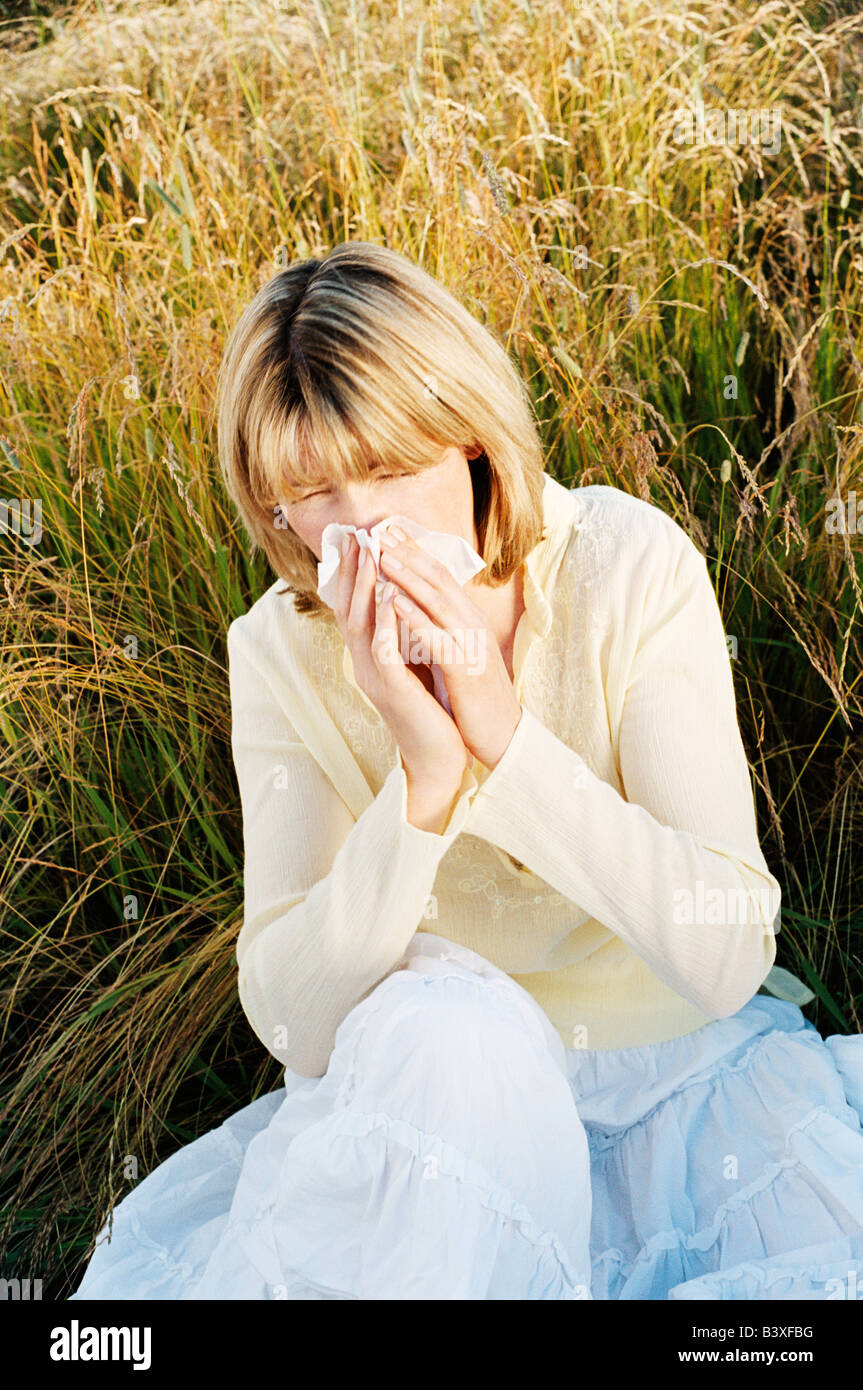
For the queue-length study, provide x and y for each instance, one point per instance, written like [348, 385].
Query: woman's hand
[454, 633]
[432, 749]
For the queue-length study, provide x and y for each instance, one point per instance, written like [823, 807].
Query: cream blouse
[609, 863]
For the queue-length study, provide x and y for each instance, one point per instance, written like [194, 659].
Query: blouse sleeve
[330, 902]
[673, 867]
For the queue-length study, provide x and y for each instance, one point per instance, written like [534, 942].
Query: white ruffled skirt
[455, 1149]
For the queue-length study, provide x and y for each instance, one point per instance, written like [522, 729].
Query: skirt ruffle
[727, 1164]
[455, 1149]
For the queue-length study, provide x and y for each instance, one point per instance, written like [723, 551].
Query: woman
[507, 951]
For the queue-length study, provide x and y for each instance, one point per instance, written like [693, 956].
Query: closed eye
[319, 492]
[377, 477]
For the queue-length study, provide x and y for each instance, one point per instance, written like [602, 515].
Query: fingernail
[389, 559]
[389, 590]
[345, 542]
[398, 533]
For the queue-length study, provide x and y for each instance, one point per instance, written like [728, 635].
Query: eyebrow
[322, 481]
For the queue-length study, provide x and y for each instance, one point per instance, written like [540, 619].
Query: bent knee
[459, 1059]
[449, 1023]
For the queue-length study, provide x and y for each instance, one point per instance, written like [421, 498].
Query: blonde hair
[362, 359]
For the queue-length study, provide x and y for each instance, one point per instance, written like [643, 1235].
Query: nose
[357, 506]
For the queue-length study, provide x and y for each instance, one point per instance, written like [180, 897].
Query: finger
[347, 575]
[411, 645]
[442, 646]
[387, 651]
[360, 618]
[428, 582]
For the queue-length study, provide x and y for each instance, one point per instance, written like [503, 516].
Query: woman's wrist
[501, 749]
[430, 797]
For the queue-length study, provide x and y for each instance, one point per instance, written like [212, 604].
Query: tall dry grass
[157, 164]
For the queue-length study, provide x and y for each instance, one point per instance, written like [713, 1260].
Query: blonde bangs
[294, 452]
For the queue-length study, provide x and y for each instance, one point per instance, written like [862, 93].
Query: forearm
[616, 861]
[302, 972]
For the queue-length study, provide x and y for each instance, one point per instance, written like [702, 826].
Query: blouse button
[538, 898]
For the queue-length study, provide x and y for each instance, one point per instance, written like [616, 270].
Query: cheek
[420, 497]
[308, 527]
[438, 507]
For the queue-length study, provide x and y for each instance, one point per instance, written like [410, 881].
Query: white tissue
[460, 559]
